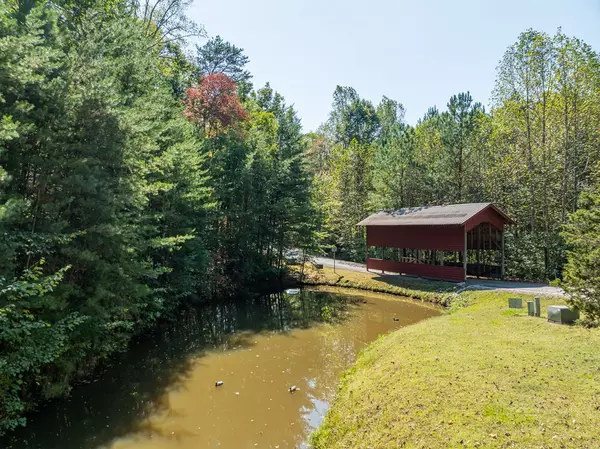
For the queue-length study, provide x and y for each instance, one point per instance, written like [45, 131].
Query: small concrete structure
[537, 308]
[530, 308]
[562, 315]
[515, 303]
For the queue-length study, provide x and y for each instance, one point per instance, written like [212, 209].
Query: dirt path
[484, 284]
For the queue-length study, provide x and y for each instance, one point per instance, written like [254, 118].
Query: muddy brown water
[161, 393]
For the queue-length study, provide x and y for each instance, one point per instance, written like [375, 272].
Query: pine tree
[582, 271]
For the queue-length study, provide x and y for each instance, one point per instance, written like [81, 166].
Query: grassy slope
[481, 377]
[431, 291]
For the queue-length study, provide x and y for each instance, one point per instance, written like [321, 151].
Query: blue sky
[417, 52]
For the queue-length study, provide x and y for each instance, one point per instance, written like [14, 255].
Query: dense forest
[140, 173]
[135, 178]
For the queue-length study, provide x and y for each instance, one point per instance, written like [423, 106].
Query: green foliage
[29, 345]
[341, 156]
[529, 254]
[582, 271]
[396, 167]
[219, 56]
[531, 154]
[326, 313]
[100, 171]
[544, 137]
[352, 118]
[262, 193]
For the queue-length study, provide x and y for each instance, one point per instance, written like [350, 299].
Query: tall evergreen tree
[582, 272]
[93, 148]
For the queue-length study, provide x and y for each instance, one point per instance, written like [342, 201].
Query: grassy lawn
[483, 376]
[431, 291]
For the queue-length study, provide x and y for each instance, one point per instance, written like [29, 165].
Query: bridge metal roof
[449, 215]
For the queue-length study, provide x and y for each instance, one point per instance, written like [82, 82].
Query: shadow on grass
[415, 283]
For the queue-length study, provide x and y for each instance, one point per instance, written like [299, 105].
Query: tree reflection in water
[133, 385]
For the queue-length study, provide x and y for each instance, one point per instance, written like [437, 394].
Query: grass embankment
[431, 291]
[484, 376]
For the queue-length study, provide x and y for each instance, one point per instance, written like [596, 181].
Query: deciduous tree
[214, 104]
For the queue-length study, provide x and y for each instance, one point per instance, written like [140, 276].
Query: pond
[161, 393]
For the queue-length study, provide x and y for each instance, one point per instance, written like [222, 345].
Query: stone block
[515, 303]
[562, 314]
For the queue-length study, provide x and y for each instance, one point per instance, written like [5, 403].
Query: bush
[28, 345]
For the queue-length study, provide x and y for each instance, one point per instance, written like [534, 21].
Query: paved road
[487, 284]
[353, 266]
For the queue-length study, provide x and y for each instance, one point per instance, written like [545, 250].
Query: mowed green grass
[424, 290]
[484, 376]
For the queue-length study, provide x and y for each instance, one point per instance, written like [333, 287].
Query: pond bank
[484, 376]
[436, 292]
[162, 393]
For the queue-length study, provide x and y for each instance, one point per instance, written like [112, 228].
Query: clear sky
[417, 52]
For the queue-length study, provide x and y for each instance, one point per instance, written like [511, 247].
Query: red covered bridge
[439, 242]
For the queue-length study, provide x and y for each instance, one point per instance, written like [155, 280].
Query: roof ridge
[443, 214]
[435, 205]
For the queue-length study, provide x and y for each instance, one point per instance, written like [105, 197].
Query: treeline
[135, 177]
[532, 154]
[138, 175]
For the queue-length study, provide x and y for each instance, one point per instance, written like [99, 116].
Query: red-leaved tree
[214, 105]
